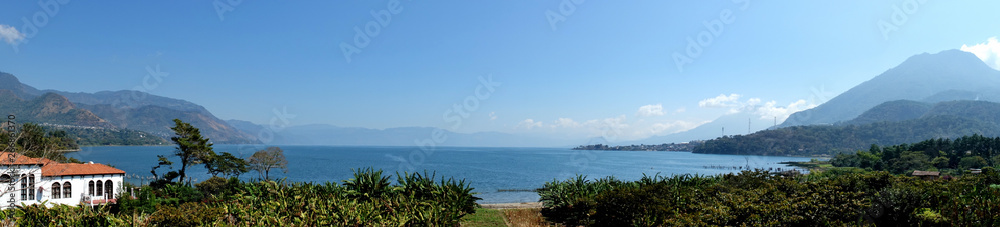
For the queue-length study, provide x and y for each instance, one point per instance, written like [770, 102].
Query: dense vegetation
[111, 137]
[643, 147]
[368, 199]
[952, 157]
[34, 141]
[833, 139]
[838, 197]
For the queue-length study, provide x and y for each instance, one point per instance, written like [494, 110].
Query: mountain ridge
[919, 77]
[323, 134]
[949, 120]
[133, 110]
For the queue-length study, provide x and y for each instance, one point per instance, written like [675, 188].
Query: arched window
[24, 187]
[31, 186]
[55, 190]
[99, 188]
[91, 188]
[109, 189]
[67, 190]
[5, 178]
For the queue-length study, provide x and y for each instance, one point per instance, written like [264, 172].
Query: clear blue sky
[602, 63]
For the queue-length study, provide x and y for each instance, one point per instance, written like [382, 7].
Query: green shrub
[761, 198]
[187, 214]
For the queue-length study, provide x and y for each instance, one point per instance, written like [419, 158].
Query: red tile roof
[53, 168]
[22, 160]
[74, 169]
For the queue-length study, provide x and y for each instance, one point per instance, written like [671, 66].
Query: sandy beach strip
[501, 206]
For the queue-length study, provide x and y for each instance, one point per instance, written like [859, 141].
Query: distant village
[644, 147]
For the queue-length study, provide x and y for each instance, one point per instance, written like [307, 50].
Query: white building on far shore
[26, 181]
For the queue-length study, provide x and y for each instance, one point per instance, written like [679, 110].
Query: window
[99, 188]
[55, 190]
[109, 189]
[31, 186]
[5, 178]
[91, 188]
[24, 187]
[67, 190]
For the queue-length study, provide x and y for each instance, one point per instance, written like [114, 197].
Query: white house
[27, 181]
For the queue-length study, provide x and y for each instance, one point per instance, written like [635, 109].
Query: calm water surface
[488, 170]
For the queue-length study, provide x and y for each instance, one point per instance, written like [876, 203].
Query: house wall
[12, 192]
[43, 187]
[80, 188]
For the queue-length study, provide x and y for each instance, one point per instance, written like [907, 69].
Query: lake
[500, 175]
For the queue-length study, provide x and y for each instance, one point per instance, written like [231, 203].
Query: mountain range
[891, 123]
[945, 76]
[320, 134]
[119, 109]
[899, 94]
[145, 112]
[929, 96]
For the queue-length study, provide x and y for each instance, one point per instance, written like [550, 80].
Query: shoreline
[504, 206]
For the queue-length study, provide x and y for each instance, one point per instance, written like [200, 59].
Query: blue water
[488, 170]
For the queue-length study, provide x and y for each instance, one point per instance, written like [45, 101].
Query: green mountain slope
[943, 120]
[47, 108]
[132, 110]
[945, 76]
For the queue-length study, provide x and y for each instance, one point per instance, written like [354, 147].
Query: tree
[263, 161]
[941, 162]
[227, 165]
[973, 162]
[191, 147]
[911, 160]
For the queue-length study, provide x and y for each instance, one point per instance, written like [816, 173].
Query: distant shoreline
[503, 206]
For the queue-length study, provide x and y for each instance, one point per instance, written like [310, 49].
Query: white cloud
[529, 124]
[615, 122]
[493, 116]
[769, 110]
[989, 52]
[673, 127]
[10, 34]
[650, 110]
[721, 101]
[612, 129]
[680, 110]
[565, 123]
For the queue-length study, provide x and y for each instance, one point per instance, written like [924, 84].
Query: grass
[484, 217]
[525, 217]
[505, 217]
